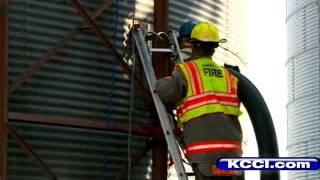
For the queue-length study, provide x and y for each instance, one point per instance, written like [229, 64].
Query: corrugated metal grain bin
[303, 65]
[83, 85]
[79, 82]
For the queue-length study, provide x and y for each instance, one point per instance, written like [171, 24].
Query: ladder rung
[167, 128]
[164, 50]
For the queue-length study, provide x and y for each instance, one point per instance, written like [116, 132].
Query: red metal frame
[108, 45]
[87, 20]
[144, 131]
[29, 150]
[161, 62]
[3, 87]
[82, 123]
[25, 76]
[156, 132]
[53, 51]
[161, 24]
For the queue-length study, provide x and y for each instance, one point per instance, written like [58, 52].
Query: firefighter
[207, 106]
[184, 38]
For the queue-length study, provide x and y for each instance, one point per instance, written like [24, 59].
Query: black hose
[261, 121]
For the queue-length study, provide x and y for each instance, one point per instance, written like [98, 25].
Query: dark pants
[211, 128]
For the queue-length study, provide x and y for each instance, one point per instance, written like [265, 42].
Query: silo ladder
[164, 117]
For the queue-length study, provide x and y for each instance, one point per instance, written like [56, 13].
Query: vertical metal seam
[160, 152]
[4, 88]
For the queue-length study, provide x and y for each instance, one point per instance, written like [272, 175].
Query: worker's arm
[172, 89]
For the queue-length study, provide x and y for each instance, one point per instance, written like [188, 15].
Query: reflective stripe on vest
[215, 146]
[211, 89]
[207, 99]
[196, 81]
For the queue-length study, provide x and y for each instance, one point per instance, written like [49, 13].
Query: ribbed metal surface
[303, 21]
[73, 153]
[228, 15]
[77, 82]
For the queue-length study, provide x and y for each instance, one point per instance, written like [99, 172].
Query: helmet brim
[193, 40]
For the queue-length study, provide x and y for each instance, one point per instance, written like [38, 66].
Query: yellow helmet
[206, 32]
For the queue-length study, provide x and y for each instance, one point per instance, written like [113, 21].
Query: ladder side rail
[162, 113]
[176, 44]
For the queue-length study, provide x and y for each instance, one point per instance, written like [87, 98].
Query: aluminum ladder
[174, 45]
[164, 117]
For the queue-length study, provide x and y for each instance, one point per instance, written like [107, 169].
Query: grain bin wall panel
[303, 65]
[82, 66]
[73, 153]
[76, 83]
[228, 15]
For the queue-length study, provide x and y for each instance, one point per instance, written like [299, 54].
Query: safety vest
[211, 89]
